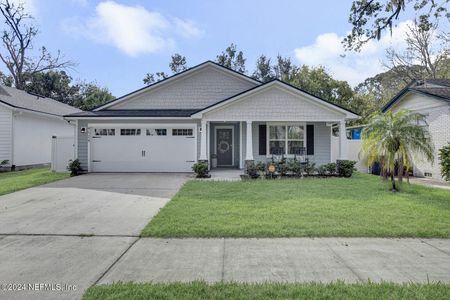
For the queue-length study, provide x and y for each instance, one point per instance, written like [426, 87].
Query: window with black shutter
[309, 139]
[262, 139]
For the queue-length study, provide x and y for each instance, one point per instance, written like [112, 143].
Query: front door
[224, 146]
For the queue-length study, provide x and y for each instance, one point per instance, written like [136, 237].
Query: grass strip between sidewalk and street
[230, 291]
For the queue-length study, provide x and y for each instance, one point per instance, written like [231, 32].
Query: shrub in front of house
[74, 167]
[322, 170]
[310, 168]
[327, 170]
[330, 169]
[4, 165]
[345, 168]
[444, 160]
[201, 169]
[253, 170]
[295, 167]
[283, 168]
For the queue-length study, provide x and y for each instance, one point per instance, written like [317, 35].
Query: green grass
[201, 290]
[19, 180]
[361, 206]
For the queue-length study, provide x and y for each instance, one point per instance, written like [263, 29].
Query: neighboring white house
[431, 98]
[27, 124]
[207, 113]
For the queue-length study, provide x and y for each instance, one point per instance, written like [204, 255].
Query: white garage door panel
[142, 153]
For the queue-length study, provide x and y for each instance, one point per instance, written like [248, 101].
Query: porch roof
[348, 114]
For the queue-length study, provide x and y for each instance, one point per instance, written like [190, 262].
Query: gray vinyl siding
[82, 153]
[198, 90]
[82, 146]
[322, 143]
[5, 134]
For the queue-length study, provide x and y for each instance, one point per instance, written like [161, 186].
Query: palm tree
[396, 139]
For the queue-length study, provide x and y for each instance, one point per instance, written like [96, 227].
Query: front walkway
[430, 182]
[226, 174]
[284, 260]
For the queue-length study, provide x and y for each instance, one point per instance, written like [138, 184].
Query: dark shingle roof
[23, 100]
[157, 113]
[442, 82]
[438, 88]
[438, 92]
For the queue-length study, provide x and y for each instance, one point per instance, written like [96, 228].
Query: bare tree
[17, 38]
[369, 18]
[427, 54]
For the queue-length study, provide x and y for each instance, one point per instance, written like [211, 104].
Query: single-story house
[431, 98]
[27, 124]
[206, 113]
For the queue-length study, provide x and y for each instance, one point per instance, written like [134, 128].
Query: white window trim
[268, 124]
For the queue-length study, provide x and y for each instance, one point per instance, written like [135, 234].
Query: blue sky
[115, 43]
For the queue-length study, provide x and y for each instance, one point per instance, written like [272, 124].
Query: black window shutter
[262, 140]
[309, 139]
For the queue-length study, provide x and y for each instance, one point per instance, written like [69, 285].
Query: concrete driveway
[93, 204]
[68, 233]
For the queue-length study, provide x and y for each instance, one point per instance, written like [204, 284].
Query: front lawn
[360, 206]
[201, 290]
[19, 180]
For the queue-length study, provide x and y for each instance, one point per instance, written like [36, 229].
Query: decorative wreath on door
[223, 147]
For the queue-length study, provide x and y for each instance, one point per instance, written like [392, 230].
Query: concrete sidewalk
[284, 260]
[430, 182]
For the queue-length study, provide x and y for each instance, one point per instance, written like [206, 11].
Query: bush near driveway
[360, 206]
[201, 290]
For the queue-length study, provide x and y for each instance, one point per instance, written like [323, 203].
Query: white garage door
[149, 148]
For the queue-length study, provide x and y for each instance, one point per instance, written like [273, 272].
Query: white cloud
[354, 67]
[132, 29]
[187, 28]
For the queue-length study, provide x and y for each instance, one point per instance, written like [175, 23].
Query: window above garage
[158, 131]
[182, 132]
[130, 131]
[104, 131]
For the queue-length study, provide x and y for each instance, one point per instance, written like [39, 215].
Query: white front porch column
[249, 142]
[203, 143]
[342, 140]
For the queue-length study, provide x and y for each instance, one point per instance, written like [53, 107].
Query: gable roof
[437, 88]
[20, 99]
[177, 76]
[126, 113]
[278, 82]
[440, 81]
